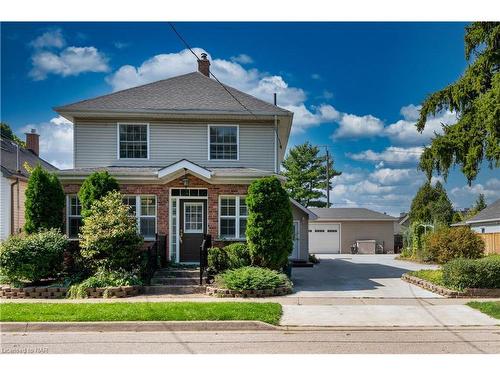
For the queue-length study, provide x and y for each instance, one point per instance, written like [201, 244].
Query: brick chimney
[33, 142]
[204, 65]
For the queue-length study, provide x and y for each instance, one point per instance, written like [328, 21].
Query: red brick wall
[162, 193]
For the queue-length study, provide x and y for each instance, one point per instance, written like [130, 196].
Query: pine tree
[431, 205]
[305, 171]
[95, 187]
[44, 203]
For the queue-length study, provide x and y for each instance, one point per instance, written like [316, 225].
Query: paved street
[358, 276]
[421, 340]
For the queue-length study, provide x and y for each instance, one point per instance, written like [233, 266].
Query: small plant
[33, 257]
[251, 278]
[109, 238]
[313, 259]
[103, 279]
[446, 244]
[218, 260]
[238, 255]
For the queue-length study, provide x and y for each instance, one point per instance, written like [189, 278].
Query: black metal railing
[205, 245]
[155, 257]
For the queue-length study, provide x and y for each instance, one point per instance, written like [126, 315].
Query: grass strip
[433, 276]
[490, 308]
[139, 311]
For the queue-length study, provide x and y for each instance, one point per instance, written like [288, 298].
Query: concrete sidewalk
[414, 315]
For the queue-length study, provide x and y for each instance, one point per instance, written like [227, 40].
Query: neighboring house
[14, 179]
[184, 151]
[487, 224]
[340, 230]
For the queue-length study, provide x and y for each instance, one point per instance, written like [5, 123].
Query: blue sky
[354, 87]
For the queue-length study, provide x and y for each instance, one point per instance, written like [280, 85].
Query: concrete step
[172, 272]
[174, 289]
[158, 280]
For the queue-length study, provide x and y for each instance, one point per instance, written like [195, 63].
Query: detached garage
[348, 230]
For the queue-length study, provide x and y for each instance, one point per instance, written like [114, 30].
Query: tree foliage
[96, 186]
[431, 205]
[109, 238]
[305, 171]
[6, 132]
[475, 97]
[270, 223]
[44, 202]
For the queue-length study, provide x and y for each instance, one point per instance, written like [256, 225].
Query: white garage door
[324, 238]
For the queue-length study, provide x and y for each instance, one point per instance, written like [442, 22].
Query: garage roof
[350, 214]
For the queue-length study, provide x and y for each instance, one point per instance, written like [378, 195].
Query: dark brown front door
[192, 227]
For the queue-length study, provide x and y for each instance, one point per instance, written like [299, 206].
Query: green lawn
[123, 311]
[490, 308]
[434, 276]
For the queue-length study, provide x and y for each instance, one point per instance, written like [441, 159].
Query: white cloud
[493, 183]
[56, 141]
[389, 176]
[405, 132]
[353, 126]
[121, 45]
[49, 39]
[70, 61]
[242, 59]
[392, 154]
[468, 194]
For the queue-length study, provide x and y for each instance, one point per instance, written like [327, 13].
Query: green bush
[251, 278]
[109, 238]
[103, 279]
[446, 244]
[270, 223]
[472, 273]
[33, 257]
[238, 255]
[44, 204]
[95, 187]
[218, 260]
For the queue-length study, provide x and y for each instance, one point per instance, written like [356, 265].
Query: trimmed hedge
[235, 255]
[33, 257]
[218, 260]
[468, 273]
[251, 278]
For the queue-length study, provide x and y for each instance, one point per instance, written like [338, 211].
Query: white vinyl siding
[96, 145]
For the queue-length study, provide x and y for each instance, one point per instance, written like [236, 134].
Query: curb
[137, 326]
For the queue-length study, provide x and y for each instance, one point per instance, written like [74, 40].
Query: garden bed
[229, 293]
[451, 293]
[8, 292]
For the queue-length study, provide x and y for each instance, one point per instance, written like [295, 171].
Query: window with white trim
[144, 208]
[233, 214]
[133, 141]
[74, 216]
[223, 142]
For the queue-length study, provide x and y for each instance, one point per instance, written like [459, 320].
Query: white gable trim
[184, 164]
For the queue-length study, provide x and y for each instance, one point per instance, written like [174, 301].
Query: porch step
[174, 272]
[169, 280]
[174, 289]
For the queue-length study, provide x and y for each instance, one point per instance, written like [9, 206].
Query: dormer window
[133, 141]
[223, 142]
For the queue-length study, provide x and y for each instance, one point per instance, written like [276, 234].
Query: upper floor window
[223, 142]
[133, 141]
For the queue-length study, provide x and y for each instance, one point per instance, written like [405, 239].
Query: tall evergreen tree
[431, 205]
[479, 205]
[475, 97]
[95, 187]
[6, 132]
[305, 171]
[44, 203]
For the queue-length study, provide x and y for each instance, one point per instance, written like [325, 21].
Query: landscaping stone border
[8, 292]
[450, 293]
[228, 293]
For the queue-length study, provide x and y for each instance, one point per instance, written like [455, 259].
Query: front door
[192, 227]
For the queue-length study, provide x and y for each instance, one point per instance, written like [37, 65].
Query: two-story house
[184, 151]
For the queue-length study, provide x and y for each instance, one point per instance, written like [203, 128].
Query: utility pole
[327, 179]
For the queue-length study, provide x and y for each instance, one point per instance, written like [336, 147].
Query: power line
[212, 74]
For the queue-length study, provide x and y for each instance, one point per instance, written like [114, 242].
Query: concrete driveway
[358, 276]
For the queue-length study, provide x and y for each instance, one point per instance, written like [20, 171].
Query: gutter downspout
[276, 167]
[16, 183]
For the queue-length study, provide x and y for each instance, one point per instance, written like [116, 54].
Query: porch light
[185, 179]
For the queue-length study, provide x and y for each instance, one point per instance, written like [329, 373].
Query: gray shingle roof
[350, 214]
[9, 159]
[492, 212]
[188, 93]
